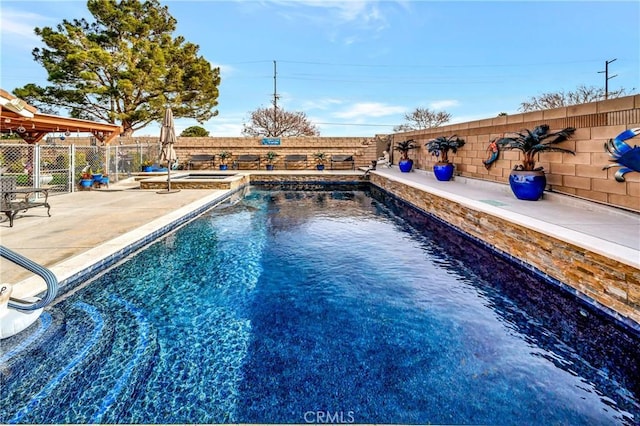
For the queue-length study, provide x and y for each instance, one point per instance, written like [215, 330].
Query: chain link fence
[59, 168]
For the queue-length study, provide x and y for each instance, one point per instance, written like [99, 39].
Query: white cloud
[322, 104]
[443, 104]
[355, 14]
[14, 24]
[369, 109]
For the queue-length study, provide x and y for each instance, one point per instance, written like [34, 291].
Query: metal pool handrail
[46, 274]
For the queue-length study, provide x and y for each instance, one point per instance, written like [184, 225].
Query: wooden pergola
[18, 117]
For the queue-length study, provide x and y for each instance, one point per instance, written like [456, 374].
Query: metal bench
[201, 158]
[14, 201]
[248, 159]
[343, 160]
[295, 159]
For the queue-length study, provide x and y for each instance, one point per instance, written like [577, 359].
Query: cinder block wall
[581, 175]
[363, 149]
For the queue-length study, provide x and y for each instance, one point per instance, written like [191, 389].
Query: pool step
[88, 370]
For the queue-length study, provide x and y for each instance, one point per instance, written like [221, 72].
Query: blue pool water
[297, 307]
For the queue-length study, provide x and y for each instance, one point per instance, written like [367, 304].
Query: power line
[440, 66]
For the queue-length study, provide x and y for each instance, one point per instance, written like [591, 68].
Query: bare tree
[276, 122]
[423, 118]
[581, 95]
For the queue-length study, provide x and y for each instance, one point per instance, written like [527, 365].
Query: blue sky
[355, 67]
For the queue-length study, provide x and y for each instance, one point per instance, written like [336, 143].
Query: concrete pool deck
[90, 225]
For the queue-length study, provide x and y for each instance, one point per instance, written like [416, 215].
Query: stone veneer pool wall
[611, 285]
[231, 182]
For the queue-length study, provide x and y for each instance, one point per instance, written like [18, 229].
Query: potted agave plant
[405, 164]
[526, 180]
[440, 147]
[321, 158]
[270, 157]
[223, 156]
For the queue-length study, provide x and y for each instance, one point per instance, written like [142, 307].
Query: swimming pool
[314, 306]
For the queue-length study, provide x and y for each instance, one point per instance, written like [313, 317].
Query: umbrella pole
[169, 190]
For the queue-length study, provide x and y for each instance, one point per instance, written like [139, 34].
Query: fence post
[72, 167]
[35, 165]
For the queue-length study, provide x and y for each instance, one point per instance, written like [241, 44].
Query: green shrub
[59, 179]
[22, 179]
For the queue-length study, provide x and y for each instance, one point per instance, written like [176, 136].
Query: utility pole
[275, 99]
[607, 78]
[275, 83]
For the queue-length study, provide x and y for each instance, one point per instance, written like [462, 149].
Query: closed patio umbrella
[168, 153]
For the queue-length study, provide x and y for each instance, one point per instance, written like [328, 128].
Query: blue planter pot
[405, 166]
[443, 171]
[223, 167]
[97, 177]
[527, 185]
[319, 166]
[269, 166]
[104, 180]
[86, 183]
[147, 168]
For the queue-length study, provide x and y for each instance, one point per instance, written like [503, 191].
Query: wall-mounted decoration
[494, 152]
[623, 155]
